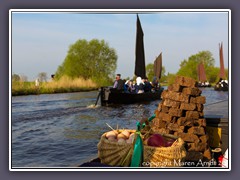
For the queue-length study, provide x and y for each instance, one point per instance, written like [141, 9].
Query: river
[62, 130]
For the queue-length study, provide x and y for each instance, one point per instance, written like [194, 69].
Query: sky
[40, 40]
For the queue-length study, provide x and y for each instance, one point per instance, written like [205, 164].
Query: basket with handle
[115, 153]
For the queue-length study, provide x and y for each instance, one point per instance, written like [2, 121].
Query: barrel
[218, 131]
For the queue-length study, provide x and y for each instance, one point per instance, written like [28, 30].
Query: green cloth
[137, 156]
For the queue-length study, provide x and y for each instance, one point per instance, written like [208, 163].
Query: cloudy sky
[40, 40]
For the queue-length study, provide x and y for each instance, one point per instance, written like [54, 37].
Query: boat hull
[219, 88]
[203, 86]
[111, 96]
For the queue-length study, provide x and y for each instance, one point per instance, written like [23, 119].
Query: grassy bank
[63, 85]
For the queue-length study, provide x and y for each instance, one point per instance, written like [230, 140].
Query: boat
[202, 78]
[222, 84]
[110, 95]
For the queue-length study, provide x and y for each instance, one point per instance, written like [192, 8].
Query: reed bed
[64, 85]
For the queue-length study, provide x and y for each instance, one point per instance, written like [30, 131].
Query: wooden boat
[110, 95]
[202, 78]
[222, 84]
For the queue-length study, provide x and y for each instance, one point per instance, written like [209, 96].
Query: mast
[140, 69]
[222, 72]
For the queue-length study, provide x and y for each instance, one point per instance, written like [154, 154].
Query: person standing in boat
[118, 83]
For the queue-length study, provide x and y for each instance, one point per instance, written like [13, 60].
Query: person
[37, 82]
[147, 85]
[126, 86]
[118, 83]
[139, 86]
[155, 83]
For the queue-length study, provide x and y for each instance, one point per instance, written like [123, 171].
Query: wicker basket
[172, 156]
[114, 153]
[117, 154]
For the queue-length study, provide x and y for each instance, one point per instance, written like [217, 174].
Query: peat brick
[187, 137]
[192, 91]
[165, 117]
[176, 96]
[204, 138]
[175, 112]
[175, 127]
[197, 146]
[181, 121]
[207, 154]
[197, 130]
[200, 122]
[175, 87]
[198, 100]
[185, 81]
[192, 114]
[199, 107]
[188, 106]
[171, 103]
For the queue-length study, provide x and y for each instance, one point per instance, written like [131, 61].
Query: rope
[216, 102]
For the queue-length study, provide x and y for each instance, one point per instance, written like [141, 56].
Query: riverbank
[64, 85]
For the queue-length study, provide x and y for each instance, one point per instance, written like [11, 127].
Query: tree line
[97, 61]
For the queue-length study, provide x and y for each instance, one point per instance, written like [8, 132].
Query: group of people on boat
[221, 85]
[141, 85]
[204, 84]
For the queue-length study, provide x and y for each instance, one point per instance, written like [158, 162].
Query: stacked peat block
[181, 113]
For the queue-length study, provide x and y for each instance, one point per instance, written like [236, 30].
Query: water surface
[62, 130]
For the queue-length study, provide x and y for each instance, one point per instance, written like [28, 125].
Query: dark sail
[140, 57]
[201, 73]
[158, 66]
[222, 72]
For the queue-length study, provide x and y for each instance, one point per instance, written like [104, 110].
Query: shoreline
[37, 92]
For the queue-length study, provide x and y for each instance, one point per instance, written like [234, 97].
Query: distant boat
[202, 78]
[113, 96]
[222, 84]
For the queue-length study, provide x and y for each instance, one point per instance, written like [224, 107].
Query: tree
[16, 78]
[163, 75]
[150, 71]
[42, 76]
[90, 60]
[23, 78]
[189, 67]
[170, 78]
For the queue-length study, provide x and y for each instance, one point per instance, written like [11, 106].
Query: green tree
[16, 78]
[163, 75]
[150, 72]
[170, 78]
[189, 67]
[90, 60]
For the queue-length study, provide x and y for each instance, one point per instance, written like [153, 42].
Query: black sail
[140, 57]
[158, 66]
